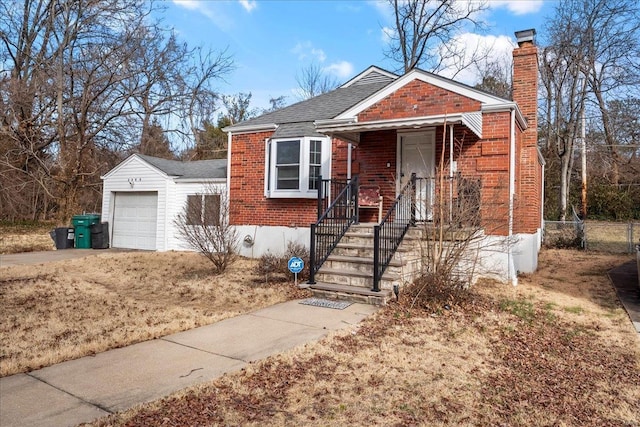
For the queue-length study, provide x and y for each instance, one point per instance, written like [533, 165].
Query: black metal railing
[328, 189]
[334, 221]
[388, 235]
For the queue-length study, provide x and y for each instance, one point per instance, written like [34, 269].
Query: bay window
[292, 166]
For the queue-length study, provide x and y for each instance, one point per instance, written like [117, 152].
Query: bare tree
[565, 88]
[313, 81]
[204, 226]
[83, 80]
[424, 31]
[495, 78]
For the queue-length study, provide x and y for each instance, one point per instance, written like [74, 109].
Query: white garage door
[134, 220]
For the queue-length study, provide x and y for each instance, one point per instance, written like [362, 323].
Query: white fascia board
[472, 120]
[333, 122]
[429, 78]
[354, 126]
[202, 180]
[237, 130]
[507, 107]
[136, 157]
[541, 159]
[371, 69]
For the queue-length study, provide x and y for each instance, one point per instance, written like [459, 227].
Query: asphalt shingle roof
[325, 106]
[195, 169]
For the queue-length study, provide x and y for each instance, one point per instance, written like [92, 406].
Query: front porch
[369, 261]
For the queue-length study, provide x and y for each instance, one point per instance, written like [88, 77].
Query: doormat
[319, 302]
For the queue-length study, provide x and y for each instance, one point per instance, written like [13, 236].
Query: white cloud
[212, 10]
[497, 49]
[189, 4]
[342, 69]
[518, 7]
[388, 34]
[319, 54]
[305, 50]
[248, 5]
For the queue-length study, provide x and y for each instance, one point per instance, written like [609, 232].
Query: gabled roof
[199, 169]
[191, 169]
[339, 108]
[324, 106]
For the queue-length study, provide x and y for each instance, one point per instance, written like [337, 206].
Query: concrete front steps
[347, 274]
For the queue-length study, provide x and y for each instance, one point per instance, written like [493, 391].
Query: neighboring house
[143, 195]
[382, 128]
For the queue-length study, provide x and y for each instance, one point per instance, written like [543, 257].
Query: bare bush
[274, 266]
[455, 236]
[204, 226]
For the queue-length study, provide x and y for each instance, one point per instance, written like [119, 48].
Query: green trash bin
[82, 225]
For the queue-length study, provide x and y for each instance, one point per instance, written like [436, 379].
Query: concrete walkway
[82, 390]
[625, 281]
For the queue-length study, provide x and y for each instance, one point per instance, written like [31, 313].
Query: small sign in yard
[295, 265]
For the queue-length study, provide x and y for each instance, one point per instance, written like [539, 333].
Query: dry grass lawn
[557, 350]
[16, 238]
[69, 309]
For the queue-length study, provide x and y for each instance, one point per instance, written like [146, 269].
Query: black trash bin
[63, 237]
[100, 235]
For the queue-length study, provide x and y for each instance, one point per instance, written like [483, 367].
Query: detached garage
[142, 196]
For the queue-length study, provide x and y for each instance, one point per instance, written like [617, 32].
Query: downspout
[450, 173]
[166, 214]
[512, 190]
[228, 177]
[541, 210]
[349, 148]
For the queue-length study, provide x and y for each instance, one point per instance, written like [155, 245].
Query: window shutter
[212, 209]
[194, 210]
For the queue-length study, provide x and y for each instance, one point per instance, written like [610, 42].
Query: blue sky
[272, 41]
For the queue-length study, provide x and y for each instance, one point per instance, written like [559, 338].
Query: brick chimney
[528, 209]
[525, 76]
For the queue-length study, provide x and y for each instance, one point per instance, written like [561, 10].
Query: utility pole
[584, 166]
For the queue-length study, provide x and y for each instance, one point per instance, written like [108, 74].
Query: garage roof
[188, 170]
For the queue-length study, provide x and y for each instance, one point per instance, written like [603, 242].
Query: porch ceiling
[350, 129]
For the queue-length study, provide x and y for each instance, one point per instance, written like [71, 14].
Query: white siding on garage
[135, 220]
[130, 219]
[135, 176]
[181, 191]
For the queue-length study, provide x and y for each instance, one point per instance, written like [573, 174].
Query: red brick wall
[529, 170]
[249, 206]
[487, 160]
[428, 99]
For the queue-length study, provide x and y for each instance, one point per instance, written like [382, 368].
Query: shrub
[274, 266]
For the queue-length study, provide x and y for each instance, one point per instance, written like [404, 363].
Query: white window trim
[303, 192]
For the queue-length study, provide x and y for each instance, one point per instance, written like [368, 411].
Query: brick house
[381, 129]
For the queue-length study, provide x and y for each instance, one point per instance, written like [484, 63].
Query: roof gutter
[351, 125]
[240, 129]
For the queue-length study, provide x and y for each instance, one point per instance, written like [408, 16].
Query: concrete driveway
[32, 258]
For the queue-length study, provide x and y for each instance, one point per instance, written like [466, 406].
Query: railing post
[376, 258]
[312, 256]
[319, 187]
[355, 188]
[413, 199]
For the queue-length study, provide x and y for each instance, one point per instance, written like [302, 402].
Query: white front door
[417, 155]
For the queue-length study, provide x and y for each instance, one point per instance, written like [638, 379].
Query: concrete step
[351, 293]
[350, 277]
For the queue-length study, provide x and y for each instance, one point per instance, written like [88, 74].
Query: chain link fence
[615, 237]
